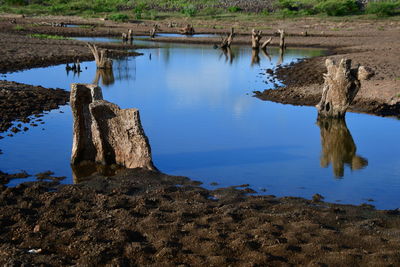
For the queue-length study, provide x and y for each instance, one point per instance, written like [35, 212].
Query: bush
[383, 9]
[338, 8]
[234, 9]
[118, 17]
[139, 9]
[189, 10]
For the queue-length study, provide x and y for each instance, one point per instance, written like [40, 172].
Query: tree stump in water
[255, 39]
[106, 134]
[340, 87]
[188, 30]
[338, 147]
[100, 56]
[227, 41]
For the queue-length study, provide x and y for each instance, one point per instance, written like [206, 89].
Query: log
[100, 56]
[338, 147]
[104, 133]
[341, 85]
[227, 41]
[255, 39]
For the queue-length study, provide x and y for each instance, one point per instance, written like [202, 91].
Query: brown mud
[144, 218]
[24, 104]
[147, 218]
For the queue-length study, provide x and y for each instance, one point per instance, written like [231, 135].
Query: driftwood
[100, 56]
[338, 147]
[188, 30]
[282, 39]
[255, 38]
[105, 134]
[340, 87]
[227, 41]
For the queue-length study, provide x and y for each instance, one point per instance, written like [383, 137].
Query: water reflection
[338, 147]
[105, 75]
[281, 56]
[229, 55]
[84, 171]
[255, 57]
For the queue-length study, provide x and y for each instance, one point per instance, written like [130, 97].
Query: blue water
[202, 121]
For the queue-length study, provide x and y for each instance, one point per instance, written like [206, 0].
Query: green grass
[18, 28]
[48, 36]
[123, 10]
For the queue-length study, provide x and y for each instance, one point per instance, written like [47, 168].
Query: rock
[317, 197]
[340, 88]
[106, 134]
[365, 73]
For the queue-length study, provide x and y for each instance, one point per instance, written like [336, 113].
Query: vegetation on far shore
[124, 10]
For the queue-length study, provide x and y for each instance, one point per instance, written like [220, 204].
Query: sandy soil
[149, 218]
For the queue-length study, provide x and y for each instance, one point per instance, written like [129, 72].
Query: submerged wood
[338, 147]
[227, 41]
[340, 87]
[255, 38]
[104, 133]
[100, 56]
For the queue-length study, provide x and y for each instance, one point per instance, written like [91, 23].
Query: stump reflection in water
[105, 75]
[338, 146]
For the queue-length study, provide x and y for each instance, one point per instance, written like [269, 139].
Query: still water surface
[197, 109]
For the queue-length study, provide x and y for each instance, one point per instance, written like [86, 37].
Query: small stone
[36, 228]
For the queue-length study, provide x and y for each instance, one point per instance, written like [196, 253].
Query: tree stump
[266, 43]
[255, 39]
[340, 87]
[106, 134]
[188, 30]
[282, 39]
[227, 41]
[338, 147]
[100, 56]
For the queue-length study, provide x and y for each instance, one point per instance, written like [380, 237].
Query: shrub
[118, 17]
[234, 9]
[383, 9]
[189, 10]
[138, 10]
[338, 8]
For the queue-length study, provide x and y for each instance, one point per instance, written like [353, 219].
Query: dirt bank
[143, 218]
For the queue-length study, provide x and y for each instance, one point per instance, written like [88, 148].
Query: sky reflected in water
[197, 109]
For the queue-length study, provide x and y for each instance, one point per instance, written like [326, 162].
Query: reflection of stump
[338, 146]
[340, 88]
[229, 56]
[255, 56]
[106, 134]
[106, 76]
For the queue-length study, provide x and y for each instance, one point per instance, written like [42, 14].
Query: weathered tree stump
[106, 134]
[188, 30]
[282, 39]
[340, 87]
[255, 38]
[266, 43]
[153, 31]
[338, 147]
[227, 41]
[100, 56]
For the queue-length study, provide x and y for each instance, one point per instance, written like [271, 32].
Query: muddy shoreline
[139, 217]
